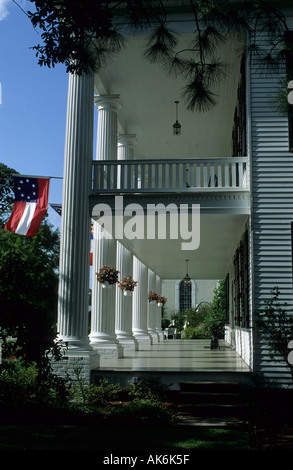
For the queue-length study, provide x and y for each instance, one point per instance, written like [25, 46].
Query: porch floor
[175, 361]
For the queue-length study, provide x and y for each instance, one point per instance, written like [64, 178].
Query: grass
[111, 438]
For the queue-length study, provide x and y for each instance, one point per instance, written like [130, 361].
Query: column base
[107, 346]
[75, 343]
[108, 350]
[127, 340]
[143, 339]
[154, 336]
[129, 344]
[160, 335]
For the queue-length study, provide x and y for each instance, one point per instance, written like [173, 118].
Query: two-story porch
[168, 198]
[174, 197]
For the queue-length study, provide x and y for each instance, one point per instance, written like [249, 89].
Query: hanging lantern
[187, 280]
[176, 126]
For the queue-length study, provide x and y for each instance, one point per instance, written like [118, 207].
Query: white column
[126, 145]
[152, 308]
[159, 311]
[124, 303]
[107, 133]
[140, 301]
[103, 337]
[125, 151]
[73, 303]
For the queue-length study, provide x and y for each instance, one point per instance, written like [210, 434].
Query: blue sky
[33, 104]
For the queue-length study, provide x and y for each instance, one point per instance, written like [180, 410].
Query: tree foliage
[83, 35]
[214, 322]
[6, 190]
[195, 316]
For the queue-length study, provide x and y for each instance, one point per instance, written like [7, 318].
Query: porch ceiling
[219, 235]
[147, 98]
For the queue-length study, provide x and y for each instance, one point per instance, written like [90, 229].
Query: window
[245, 286]
[185, 300]
[241, 287]
[237, 289]
[227, 303]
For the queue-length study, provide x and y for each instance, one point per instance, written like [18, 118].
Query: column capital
[125, 146]
[126, 140]
[110, 102]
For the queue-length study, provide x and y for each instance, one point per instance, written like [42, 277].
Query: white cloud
[3, 9]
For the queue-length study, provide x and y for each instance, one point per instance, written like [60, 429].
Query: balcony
[220, 187]
[224, 175]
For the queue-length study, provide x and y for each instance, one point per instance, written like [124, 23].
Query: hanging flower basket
[161, 300]
[107, 276]
[153, 295]
[127, 285]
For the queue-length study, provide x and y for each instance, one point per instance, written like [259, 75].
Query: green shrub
[17, 382]
[20, 384]
[194, 333]
[143, 411]
[179, 318]
[148, 388]
[196, 316]
[102, 394]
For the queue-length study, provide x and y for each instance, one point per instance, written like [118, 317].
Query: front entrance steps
[213, 403]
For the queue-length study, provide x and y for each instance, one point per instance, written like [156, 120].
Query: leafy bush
[194, 333]
[148, 388]
[214, 323]
[179, 319]
[102, 394]
[274, 322]
[195, 316]
[21, 384]
[143, 411]
[17, 382]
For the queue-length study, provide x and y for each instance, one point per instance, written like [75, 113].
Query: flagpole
[34, 176]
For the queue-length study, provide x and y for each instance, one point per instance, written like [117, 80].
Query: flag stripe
[41, 206]
[16, 215]
[26, 216]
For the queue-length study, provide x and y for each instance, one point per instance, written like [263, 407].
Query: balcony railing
[198, 175]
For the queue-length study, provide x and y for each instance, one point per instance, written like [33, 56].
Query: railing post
[226, 184]
[233, 174]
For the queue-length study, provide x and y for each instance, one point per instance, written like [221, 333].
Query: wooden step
[210, 397]
[212, 386]
[214, 410]
[213, 400]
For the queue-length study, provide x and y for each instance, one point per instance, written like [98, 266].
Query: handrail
[168, 175]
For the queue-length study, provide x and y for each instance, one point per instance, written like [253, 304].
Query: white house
[229, 175]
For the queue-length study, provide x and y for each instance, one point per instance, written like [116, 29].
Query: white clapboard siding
[272, 210]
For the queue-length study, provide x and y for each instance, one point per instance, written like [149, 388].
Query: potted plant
[214, 323]
[161, 300]
[127, 285]
[107, 276]
[153, 295]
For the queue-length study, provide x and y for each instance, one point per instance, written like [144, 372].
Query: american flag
[30, 205]
[57, 208]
